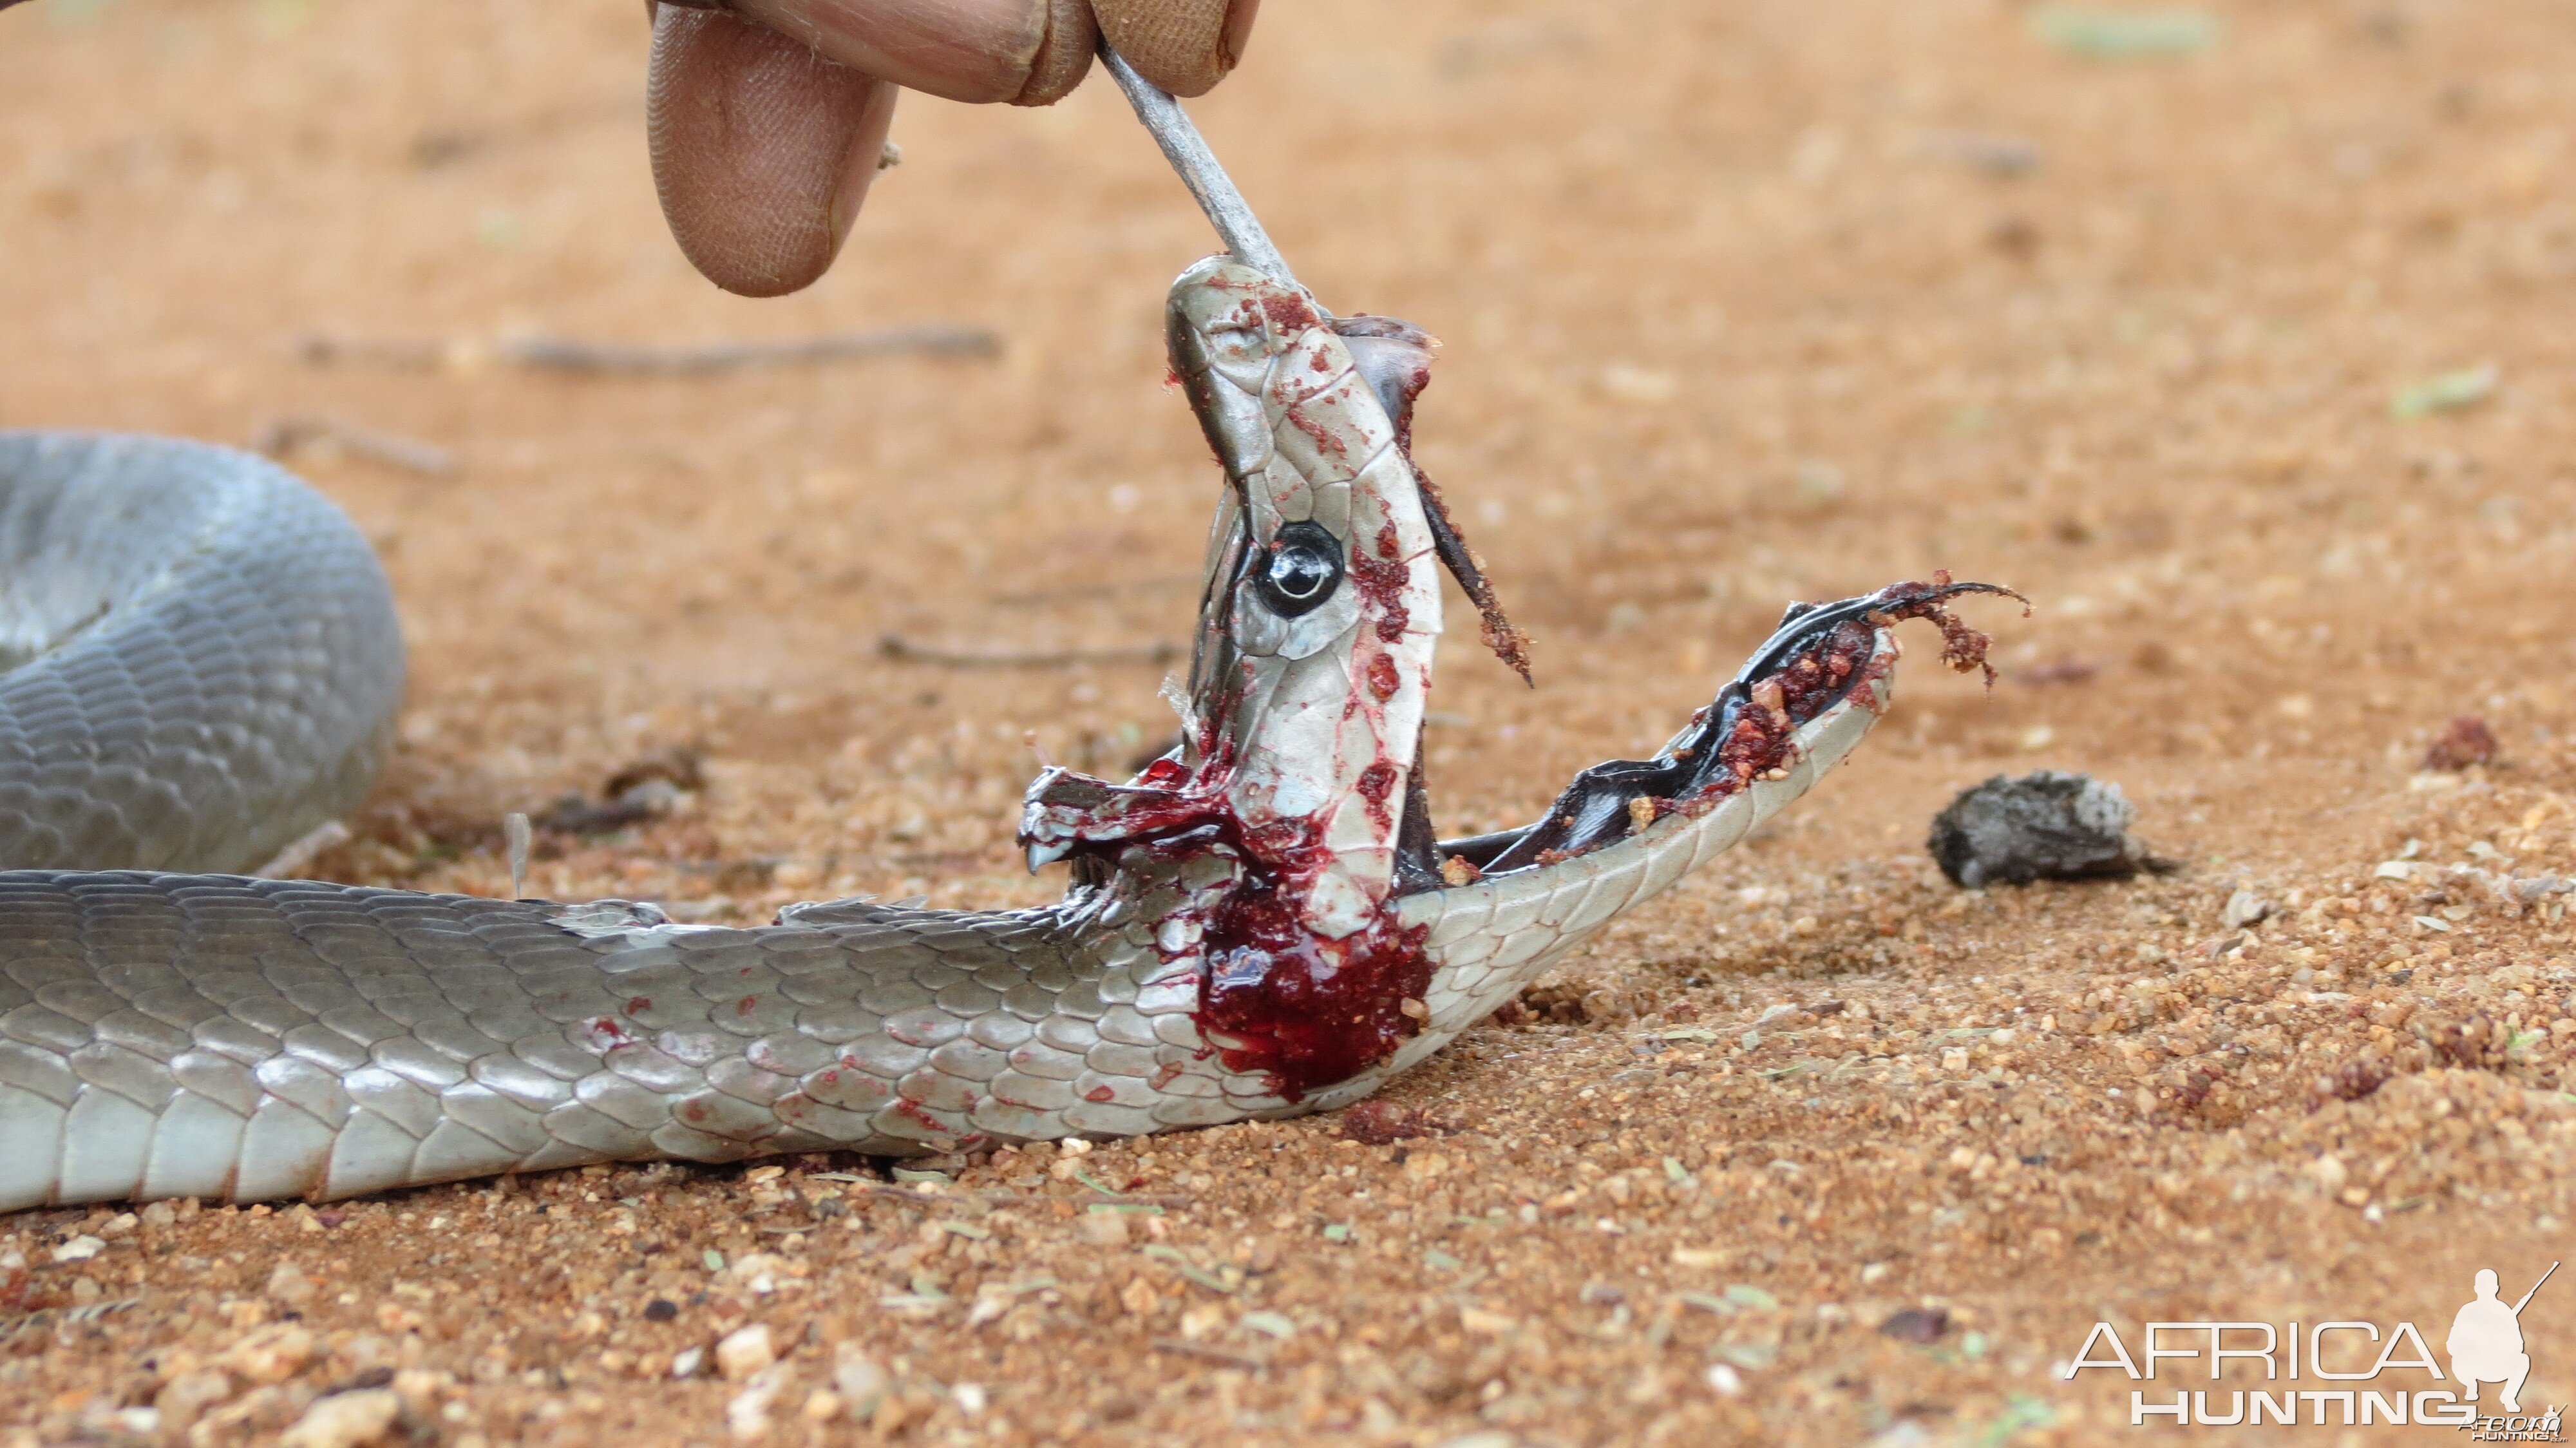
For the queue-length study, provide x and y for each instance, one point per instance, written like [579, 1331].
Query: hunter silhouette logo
[2365, 1373]
[2486, 1341]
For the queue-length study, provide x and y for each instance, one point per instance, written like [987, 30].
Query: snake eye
[1301, 569]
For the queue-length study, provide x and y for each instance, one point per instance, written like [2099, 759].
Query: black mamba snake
[1261, 924]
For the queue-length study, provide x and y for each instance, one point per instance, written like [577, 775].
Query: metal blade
[1188, 152]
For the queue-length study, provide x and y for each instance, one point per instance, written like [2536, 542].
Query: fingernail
[1238, 31]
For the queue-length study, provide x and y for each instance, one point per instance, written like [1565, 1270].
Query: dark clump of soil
[2466, 740]
[2048, 825]
[1381, 1123]
[1917, 1324]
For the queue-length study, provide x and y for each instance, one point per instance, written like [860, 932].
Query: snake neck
[1222, 901]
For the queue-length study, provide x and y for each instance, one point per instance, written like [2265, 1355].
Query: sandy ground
[1745, 303]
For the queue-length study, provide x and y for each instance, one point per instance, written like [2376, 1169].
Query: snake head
[1319, 612]
[1322, 599]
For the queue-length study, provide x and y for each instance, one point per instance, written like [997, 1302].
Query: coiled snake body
[1261, 924]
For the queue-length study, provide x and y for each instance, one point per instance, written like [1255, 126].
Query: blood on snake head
[1319, 614]
[1323, 599]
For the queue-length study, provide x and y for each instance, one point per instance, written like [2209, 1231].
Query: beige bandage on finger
[1184, 46]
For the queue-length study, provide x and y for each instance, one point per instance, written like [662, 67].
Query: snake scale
[1261, 924]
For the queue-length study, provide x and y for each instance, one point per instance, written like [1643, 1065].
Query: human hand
[768, 117]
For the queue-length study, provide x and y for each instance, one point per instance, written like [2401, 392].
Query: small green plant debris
[2125, 34]
[2024, 1413]
[2447, 393]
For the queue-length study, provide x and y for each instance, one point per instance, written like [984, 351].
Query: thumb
[1184, 46]
[762, 150]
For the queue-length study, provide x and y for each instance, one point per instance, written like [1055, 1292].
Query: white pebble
[859, 1377]
[289, 1285]
[745, 1351]
[346, 1420]
[748, 1414]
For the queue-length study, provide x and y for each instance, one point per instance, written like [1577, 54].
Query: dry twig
[293, 434]
[1178, 1348]
[602, 359]
[895, 646]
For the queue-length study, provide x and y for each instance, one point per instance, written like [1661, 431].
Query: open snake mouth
[1278, 842]
[1821, 655]
[1306, 1013]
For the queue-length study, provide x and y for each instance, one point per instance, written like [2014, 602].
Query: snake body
[199, 659]
[1258, 925]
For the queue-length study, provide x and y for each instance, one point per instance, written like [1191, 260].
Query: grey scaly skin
[1259, 925]
[199, 660]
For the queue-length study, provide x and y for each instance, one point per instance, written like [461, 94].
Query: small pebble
[748, 1414]
[185, 1398]
[288, 1285]
[859, 1379]
[346, 1420]
[745, 1351]
[2464, 741]
[272, 1354]
[1382, 1123]
[1917, 1324]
